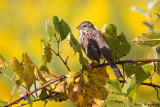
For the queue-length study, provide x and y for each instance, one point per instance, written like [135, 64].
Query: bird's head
[85, 26]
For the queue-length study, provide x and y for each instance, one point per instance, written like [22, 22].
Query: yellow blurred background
[22, 24]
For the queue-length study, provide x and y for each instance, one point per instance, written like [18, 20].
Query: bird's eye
[84, 26]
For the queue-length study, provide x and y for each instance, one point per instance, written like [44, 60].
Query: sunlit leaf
[3, 63]
[133, 93]
[141, 70]
[114, 86]
[71, 76]
[24, 70]
[93, 92]
[44, 77]
[3, 103]
[77, 48]
[129, 85]
[118, 43]
[151, 38]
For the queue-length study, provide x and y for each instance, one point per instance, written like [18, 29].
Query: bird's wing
[104, 47]
[90, 47]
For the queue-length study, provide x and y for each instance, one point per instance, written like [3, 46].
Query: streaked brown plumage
[95, 45]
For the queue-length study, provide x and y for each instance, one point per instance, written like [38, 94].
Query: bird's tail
[116, 70]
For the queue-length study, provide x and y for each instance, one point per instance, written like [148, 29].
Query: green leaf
[48, 34]
[3, 103]
[66, 29]
[129, 85]
[133, 93]
[58, 27]
[43, 94]
[118, 43]
[150, 38]
[77, 48]
[44, 68]
[140, 10]
[3, 63]
[46, 51]
[114, 86]
[46, 55]
[115, 103]
[141, 70]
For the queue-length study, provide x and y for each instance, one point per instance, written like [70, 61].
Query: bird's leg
[104, 62]
[90, 65]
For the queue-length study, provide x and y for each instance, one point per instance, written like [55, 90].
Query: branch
[63, 77]
[38, 100]
[41, 87]
[148, 84]
[129, 61]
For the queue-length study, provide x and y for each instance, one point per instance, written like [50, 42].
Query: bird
[96, 46]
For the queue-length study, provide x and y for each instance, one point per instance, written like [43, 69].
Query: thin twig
[13, 82]
[68, 55]
[61, 59]
[129, 61]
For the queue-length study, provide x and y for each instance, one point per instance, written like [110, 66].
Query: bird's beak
[78, 27]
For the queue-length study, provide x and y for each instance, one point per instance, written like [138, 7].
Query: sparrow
[95, 45]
